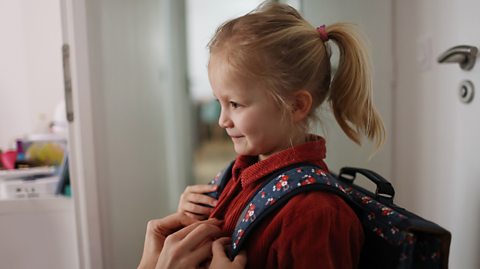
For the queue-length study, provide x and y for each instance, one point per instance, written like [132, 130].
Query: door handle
[464, 55]
[67, 80]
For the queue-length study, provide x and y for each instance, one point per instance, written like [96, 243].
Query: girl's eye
[234, 105]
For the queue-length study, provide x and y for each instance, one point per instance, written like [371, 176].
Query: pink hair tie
[322, 32]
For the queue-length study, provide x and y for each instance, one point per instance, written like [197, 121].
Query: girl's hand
[195, 203]
[220, 259]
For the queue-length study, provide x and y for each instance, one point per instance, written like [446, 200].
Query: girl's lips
[234, 136]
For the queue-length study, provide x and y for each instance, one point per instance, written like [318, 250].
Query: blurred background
[142, 122]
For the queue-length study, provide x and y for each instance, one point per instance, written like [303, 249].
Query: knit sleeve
[316, 230]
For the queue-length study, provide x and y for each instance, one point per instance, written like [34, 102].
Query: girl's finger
[201, 199]
[197, 209]
[201, 188]
[195, 216]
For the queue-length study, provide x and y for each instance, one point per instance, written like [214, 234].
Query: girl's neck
[291, 143]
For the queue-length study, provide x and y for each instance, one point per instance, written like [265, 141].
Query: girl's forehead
[228, 81]
[223, 76]
[219, 65]
[223, 86]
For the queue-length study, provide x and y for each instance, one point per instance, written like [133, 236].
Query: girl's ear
[302, 103]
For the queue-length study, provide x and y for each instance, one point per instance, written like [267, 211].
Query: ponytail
[351, 88]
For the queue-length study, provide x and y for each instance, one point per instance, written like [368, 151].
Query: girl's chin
[240, 149]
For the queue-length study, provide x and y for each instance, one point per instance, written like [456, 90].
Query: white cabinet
[38, 233]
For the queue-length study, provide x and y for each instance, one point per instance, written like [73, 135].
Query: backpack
[394, 237]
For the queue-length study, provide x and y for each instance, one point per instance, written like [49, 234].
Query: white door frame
[81, 141]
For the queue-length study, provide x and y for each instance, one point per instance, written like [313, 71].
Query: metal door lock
[466, 91]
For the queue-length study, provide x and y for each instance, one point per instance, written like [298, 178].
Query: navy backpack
[394, 237]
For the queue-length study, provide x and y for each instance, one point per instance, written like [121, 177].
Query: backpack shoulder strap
[278, 189]
[221, 180]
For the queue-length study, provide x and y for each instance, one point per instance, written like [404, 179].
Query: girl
[270, 70]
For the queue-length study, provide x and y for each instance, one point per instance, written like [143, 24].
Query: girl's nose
[224, 120]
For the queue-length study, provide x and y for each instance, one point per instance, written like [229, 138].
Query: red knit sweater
[313, 230]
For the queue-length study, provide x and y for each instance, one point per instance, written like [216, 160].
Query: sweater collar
[249, 170]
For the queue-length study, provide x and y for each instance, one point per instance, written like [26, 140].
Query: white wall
[373, 18]
[31, 78]
[203, 18]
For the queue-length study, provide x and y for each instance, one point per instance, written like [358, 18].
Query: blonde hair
[275, 47]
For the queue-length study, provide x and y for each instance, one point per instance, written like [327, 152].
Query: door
[125, 81]
[435, 162]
